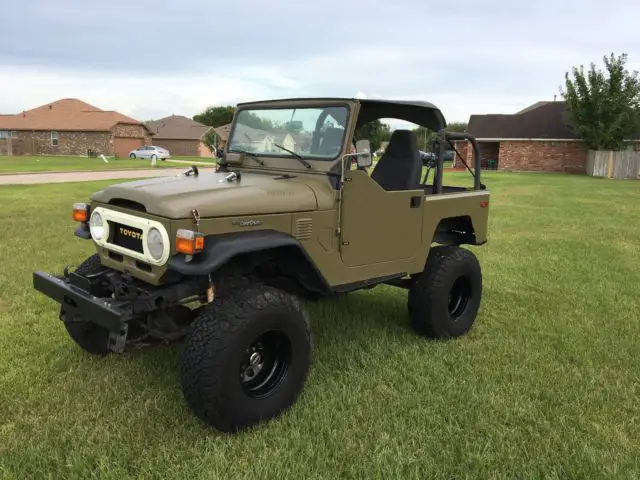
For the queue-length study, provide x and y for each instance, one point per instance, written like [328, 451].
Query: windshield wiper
[250, 154]
[297, 155]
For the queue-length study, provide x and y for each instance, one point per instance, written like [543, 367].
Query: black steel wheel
[459, 296]
[246, 357]
[265, 364]
[444, 299]
[87, 335]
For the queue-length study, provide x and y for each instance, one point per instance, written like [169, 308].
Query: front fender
[221, 249]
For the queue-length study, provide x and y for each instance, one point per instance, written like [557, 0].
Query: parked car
[428, 158]
[150, 151]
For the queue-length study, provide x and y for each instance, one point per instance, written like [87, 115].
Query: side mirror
[364, 159]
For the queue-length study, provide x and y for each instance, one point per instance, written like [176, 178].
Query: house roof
[68, 114]
[178, 127]
[253, 134]
[541, 120]
[250, 133]
[223, 131]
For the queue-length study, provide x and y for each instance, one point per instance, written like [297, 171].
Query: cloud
[148, 61]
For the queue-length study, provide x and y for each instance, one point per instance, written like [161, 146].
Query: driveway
[62, 177]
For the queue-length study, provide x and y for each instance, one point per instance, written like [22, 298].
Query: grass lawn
[47, 164]
[546, 385]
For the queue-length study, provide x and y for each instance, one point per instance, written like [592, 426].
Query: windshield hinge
[196, 218]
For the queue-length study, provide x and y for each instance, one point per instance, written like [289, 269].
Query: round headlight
[155, 244]
[96, 226]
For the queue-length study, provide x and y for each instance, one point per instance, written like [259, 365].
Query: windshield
[316, 133]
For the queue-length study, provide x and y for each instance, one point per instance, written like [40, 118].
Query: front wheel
[132, 155]
[445, 298]
[246, 357]
[87, 335]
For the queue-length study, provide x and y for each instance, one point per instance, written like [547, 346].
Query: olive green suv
[223, 260]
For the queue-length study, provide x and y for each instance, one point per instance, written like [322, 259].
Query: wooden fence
[613, 164]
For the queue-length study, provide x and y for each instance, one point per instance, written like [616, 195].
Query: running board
[372, 282]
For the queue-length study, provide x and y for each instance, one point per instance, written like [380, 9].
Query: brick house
[180, 135]
[222, 135]
[71, 127]
[537, 138]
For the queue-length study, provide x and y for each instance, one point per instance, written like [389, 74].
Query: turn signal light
[80, 212]
[189, 242]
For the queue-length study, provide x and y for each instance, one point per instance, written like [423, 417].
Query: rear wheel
[87, 335]
[444, 300]
[246, 357]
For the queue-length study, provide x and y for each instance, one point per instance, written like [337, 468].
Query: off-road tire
[449, 270]
[87, 335]
[215, 349]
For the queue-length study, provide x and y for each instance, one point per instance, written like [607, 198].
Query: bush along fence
[613, 164]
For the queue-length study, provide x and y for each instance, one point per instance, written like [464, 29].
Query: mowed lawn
[26, 164]
[546, 385]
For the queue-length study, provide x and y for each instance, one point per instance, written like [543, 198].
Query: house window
[4, 134]
[14, 134]
[54, 138]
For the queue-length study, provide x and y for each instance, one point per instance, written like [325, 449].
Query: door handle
[416, 202]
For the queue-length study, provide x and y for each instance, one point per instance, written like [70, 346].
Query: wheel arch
[245, 252]
[457, 230]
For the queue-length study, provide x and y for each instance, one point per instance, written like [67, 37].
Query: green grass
[18, 164]
[546, 385]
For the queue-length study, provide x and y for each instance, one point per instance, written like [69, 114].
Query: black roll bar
[446, 137]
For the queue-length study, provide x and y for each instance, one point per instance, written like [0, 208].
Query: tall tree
[603, 106]
[425, 137]
[376, 132]
[216, 116]
[459, 127]
[253, 120]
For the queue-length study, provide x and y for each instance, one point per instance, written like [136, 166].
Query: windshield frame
[316, 160]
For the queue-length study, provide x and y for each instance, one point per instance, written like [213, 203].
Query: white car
[150, 151]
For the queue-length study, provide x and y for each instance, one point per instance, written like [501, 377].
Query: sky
[150, 59]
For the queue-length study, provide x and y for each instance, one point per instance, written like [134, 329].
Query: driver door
[379, 226]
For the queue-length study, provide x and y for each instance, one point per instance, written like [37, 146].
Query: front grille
[125, 236]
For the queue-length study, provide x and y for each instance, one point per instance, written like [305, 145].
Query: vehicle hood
[213, 196]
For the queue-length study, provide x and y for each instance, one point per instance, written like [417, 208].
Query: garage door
[122, 146]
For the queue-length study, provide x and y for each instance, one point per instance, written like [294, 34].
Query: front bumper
[76, 300]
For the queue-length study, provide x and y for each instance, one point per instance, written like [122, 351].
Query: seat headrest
[331, 140]
[401, 142]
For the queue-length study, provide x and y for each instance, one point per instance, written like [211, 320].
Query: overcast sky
[148, 60]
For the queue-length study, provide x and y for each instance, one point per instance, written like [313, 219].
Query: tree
[459, 127]
[210, 138]
[376, 132]
[216, 116]
[252, 120]
[425, 137]
[603, 106]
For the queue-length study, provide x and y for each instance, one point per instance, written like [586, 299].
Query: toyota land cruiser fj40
[222, 260]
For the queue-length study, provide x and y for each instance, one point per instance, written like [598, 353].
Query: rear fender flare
[455, 231]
